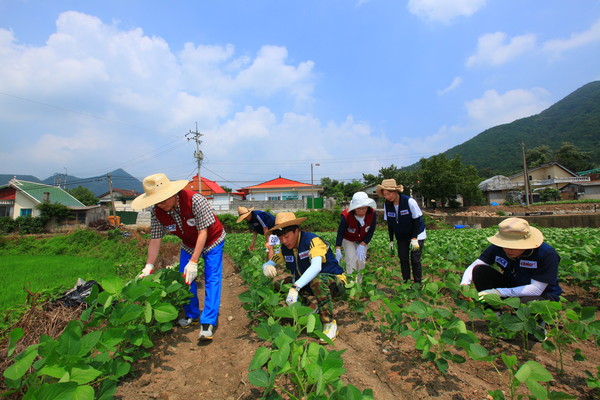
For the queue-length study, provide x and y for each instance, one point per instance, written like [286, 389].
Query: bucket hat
[243, 213]
[361, 199]
[157, 188]
[516, 233]
[388, 184]
[285, 219]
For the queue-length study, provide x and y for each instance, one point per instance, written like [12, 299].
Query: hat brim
[244, 215]
[535, 240]
[365, 203]
[291, 222]
[145, 200]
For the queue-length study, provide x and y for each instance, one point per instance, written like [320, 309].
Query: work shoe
[206, 332]
[187, 322]
[330, 330]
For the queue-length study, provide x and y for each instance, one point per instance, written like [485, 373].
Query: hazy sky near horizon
[87, 87]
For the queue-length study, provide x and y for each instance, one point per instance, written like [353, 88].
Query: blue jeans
[213, 276]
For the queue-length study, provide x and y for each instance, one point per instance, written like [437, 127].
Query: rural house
[19, 198]
[552, 175]
[122, 197]
[281, 189]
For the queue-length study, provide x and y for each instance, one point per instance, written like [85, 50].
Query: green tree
[227, 189]
[539, 155]
[440, 178]
[572, 158]
[84, 195]
[53, 210]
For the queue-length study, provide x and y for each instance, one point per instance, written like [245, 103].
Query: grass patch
[39, 273]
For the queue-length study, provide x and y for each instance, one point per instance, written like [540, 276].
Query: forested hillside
[575, 119]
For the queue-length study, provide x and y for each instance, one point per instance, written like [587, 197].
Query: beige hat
[361, 199]
[157, 188]
[515, 233]
[284, 219]
[243, 213]
[388, 184]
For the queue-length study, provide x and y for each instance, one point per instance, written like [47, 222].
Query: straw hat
[388, 184]
[243, 213]
[157, 188]
[515, 233]
[361, 199]
[285, 219]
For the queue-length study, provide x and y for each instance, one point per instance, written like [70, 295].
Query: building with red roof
[281, 189]
[209, 188]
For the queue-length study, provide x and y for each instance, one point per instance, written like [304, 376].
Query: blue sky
[275, 86]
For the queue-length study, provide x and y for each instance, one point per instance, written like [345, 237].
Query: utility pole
[198, 153]
[112, 200]
[525, 174]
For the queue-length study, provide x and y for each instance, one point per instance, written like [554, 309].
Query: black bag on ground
[76, 297]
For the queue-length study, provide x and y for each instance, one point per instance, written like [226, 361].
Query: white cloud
[492, 49]
[558, 46]
[444, 10]
[495, 109]
[455, 83]
[92, 81]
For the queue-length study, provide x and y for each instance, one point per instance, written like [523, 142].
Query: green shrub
[7, 225]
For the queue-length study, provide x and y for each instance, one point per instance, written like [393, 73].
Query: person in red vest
[355, 231]
[188, 215]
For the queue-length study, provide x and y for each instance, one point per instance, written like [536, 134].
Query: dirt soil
[491, 211]
[183, 368]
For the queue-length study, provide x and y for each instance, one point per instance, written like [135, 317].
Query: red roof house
[281, 189]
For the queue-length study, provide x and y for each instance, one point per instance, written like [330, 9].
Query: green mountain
[575, 119]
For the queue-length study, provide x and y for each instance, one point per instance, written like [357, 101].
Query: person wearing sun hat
[405, 224]
[314, 269]
[355, 231]
[527, 266]
[259, 222]
[188, 215]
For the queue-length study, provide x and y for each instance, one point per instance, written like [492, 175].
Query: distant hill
[5, 178]
[97, 184]
[575, 119]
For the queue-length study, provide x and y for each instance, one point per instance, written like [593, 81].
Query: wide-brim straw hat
[285, 219]
[243, 213]
[516, 233]
[361, 199]
[388, 184]
[157, 188]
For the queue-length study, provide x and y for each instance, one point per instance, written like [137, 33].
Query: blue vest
[254, 223]
[540, 265]
[403, 225]
[299, 265]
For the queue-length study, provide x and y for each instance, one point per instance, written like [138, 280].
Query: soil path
[183, 368]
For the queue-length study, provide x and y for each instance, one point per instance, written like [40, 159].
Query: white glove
[269, 269]
[338, 254]
[292, 297]
[484, 293]
[147, 270]
[391, 247]
[361, 253]
[190, 272]
[414, 244]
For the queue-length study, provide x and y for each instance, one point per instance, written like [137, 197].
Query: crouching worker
[313, 266]
[528, 265]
